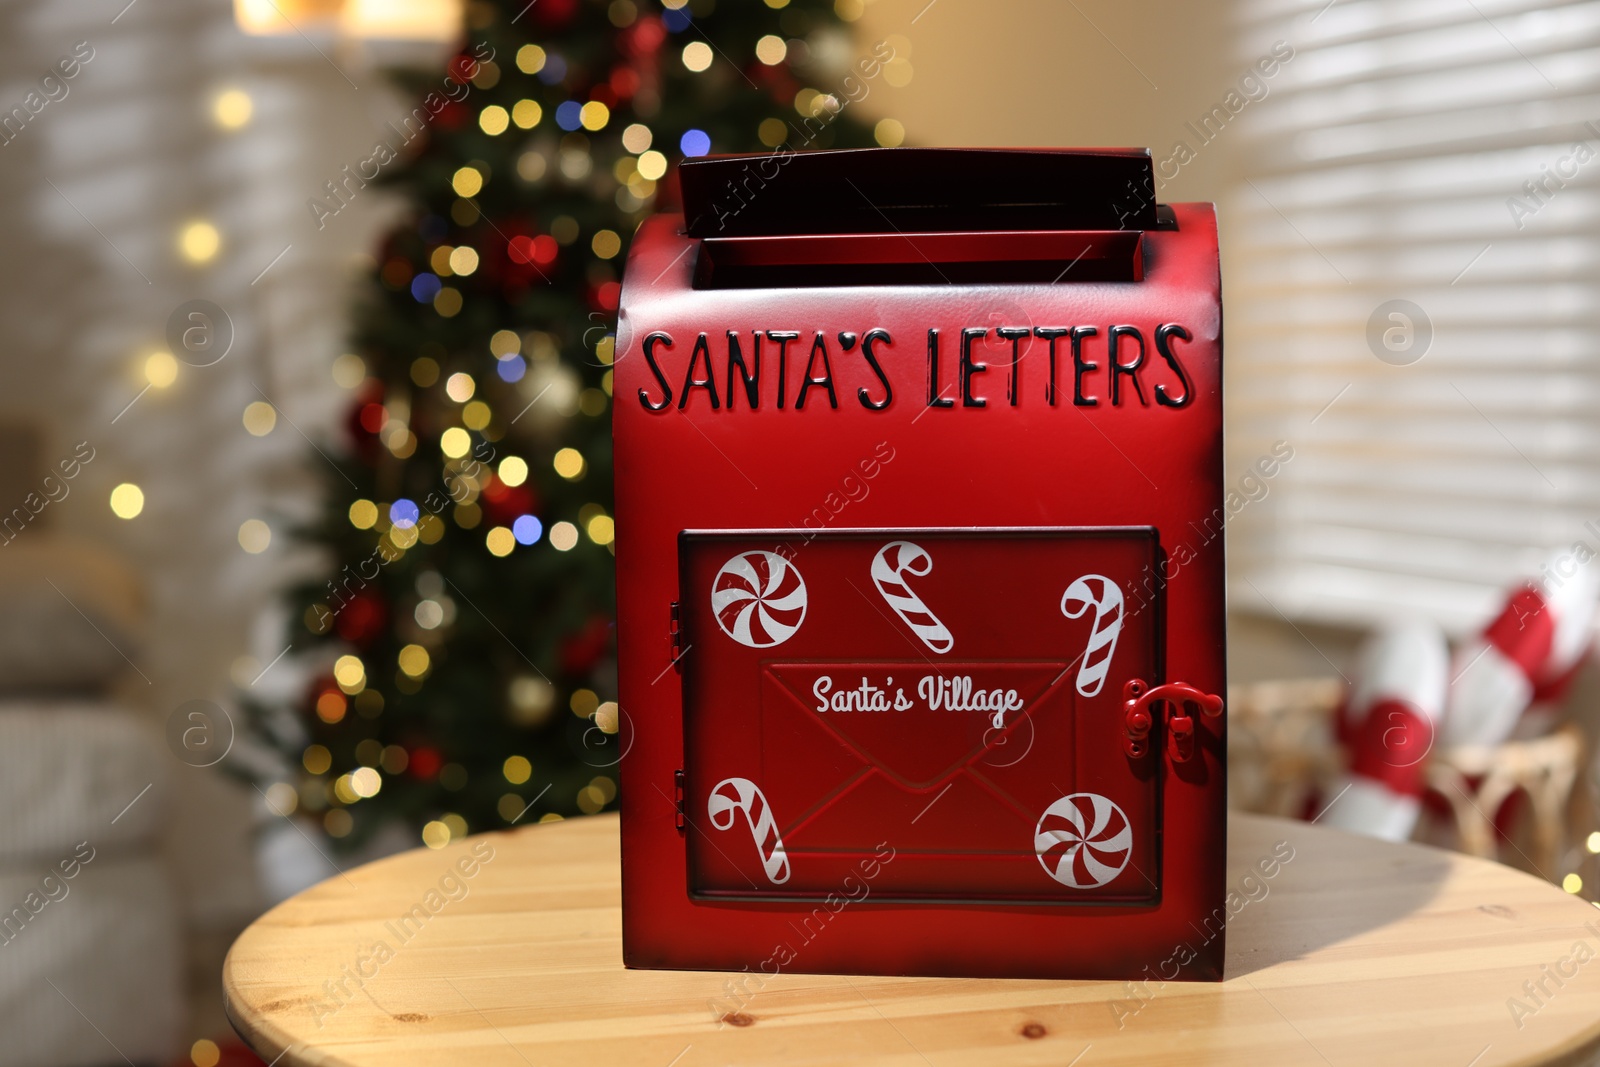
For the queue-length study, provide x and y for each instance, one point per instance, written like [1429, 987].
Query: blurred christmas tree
[471, 608]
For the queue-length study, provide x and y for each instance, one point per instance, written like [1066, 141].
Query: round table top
[506, 949]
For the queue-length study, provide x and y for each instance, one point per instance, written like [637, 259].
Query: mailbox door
[955, 692]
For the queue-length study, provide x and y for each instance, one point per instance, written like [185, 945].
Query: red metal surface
[816, 517]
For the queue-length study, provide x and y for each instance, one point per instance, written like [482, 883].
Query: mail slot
[920, 569]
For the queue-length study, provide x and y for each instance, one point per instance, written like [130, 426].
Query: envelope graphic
[947, 776]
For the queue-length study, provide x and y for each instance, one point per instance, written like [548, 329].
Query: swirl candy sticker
[759, 599]
[1083, 840]
[743, 795]
[1105, 596]
[889, 567]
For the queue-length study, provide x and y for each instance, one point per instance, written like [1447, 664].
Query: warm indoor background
[1400, 150]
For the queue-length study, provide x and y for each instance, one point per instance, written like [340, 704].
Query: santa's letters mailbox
[920, 569]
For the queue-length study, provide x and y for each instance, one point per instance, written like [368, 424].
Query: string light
[527, 529]
[429, 614]
[467, 181]
[569, 464]
[436, 834]
[504, 344]
[697, 56]
[517, 769]
[530, 59]
[460, 387]
[772, 132]
[160, 369]
[500, 541]
[606, 244]
[455, 442]
[199, 241]
[349, 371]
[259, 418]
[694, 143]
[526, 114]
[254, 536]
[127, 501]
[513, 471]
[414, 660]
[563, 536]
[282, 798]
[601, 530]
[316, 759]
[331, 707]
[350, 673]
[493, 120]
[889, 133]
[363, 513]
[636, 138]
[464, 260]
[594, 115]
[771, 50]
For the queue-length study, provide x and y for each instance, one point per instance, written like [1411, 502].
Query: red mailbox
[920, 569]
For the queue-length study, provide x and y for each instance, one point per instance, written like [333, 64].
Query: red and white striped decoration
[1388, 723]
[742, 795]
[1105, 596]
[1526, 657]
[1083, 840]
[759, 599]
[893, 562]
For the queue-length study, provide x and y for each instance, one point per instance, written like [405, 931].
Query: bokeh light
[127, 500]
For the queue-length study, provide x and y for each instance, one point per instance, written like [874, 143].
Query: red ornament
[452, 116]
[554, 14]
[605, 295]
[644, 38]
[362, 618]
[424, 762]
[539, 251]
[365, 418]
[624, 82]
[502, 504]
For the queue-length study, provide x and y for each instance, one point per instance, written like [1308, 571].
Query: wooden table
[1357, 952]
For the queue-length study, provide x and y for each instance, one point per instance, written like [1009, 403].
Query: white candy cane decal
[1105, 596]
[741, 794]
[893, 561]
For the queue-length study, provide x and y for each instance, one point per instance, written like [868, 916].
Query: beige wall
[1050, 73]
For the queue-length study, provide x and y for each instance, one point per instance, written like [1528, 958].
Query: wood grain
[1354, 952]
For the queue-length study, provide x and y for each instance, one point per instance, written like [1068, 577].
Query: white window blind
[1385, 165]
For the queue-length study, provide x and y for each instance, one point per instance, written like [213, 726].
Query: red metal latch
[677, 797]
[1178, 697]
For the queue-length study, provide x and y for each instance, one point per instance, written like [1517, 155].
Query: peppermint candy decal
[1083, 840]
[759, 599]
[742, 795]
[1105, 596]
[893, 562]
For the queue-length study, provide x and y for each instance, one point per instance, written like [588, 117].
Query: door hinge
[677, 793]
[675, 633]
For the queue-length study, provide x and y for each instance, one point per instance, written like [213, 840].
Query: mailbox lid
[956, 692]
